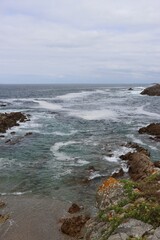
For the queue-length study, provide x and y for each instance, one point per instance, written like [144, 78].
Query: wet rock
[118, 174]
[74, 208]
[2, 136]
[28, 134]
[152, 129]
[13, 133]
[109, 193]
[157, 164]
[72, 226]
[91, 169]
[130, 89]
[9, 120]
[157, 138]
[137, 148]
[152, 91]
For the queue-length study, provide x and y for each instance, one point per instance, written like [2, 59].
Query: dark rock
[9, 120]
[74, 208]
[130, 89]
[152, 129]
[152, 91]
[157, 164]
[72, 226]
[28, 134]
[8, 141]
[118, 174]
[156, 138]
[140, 166]
[91, 169]
[13, 133]
[2, 136]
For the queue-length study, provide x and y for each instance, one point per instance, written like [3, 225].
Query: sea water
[73, 127]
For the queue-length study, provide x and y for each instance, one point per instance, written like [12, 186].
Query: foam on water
[94, 115]
[55, 149]
[140, 111]
[70, 96]
[49, 106]
[72, 132]
[116, 154]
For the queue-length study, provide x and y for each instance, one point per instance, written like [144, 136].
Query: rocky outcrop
[152, 129]
[9, 120]
[74, 208]
[128, 209]
[152, 91]
[72, 226]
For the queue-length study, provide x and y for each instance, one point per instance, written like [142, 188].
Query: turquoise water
[74, 127]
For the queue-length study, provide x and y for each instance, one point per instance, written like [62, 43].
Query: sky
[79, 41]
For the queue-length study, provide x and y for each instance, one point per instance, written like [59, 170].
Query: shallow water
[74, 127]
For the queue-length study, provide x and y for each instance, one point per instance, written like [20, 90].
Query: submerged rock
[152, 91]
[74, 208]
[72, 226]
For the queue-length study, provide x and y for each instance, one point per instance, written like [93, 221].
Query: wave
[72, 132]
[117, 153]
[70, 96]
[47, 105]
[94, 115]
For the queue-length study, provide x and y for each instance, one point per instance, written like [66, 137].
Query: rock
[9, 120]
[157, 164]
[130, 89]
[72, 226]
[118, 236]
[152, 91]
[74, 208]
[3, 218]
[156, 235]
[140, 166]
[28, 134]
[133, 228]
[2, 136]
[156, 138]
[152, 129]
[91, 169]
[118, 174]
[13, 133]
[2, 204]
[137, 148]
[109, 193]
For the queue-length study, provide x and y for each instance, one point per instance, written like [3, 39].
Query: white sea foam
[94, 115]
[140, 111]
[72, 132]
[60, 155]
[48, 105]
[136, 140]
[70, 96]
[15, 193]
[117, 154]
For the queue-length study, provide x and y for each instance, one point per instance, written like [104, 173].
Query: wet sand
[33, 218]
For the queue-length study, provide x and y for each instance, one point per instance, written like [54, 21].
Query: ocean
[74, 127]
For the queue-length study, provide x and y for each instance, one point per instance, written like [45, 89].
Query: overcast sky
[85, 41]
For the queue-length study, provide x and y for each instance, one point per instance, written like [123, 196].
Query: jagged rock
[28, 134]
[156, 138]
[74, 208]
[140, 166]
[109, 193]
[130, 89]
[152, 91]
[157, 164]
[118, 174]
[72, 226]
[131, 228]
[13, 133]
[156, 235]
[9, 120]
[152, 129]
[137, 148]
[2, 136]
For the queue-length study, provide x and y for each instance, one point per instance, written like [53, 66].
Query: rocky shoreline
[127, 208]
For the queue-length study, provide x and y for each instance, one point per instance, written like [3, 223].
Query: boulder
[152, 129]
[74, 208]
[152, 91]
[118, 174]
[72, 226]
[109, 193]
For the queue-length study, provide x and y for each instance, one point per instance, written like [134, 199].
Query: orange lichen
[110, 182]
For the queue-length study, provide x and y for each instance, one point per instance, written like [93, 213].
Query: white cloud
[90, 39]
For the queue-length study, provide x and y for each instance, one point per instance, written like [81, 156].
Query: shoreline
[33, 218]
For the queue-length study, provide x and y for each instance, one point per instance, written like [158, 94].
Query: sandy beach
[33, 218]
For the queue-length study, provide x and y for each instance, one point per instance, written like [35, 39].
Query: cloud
[104, 41]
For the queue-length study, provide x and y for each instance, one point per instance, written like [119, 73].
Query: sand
[33, 218]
